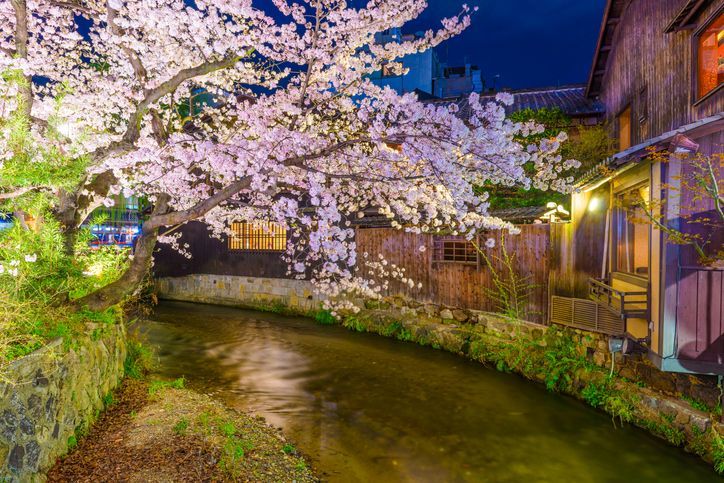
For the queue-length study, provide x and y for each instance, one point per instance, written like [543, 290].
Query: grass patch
[139, 359]
[156, 386]
[181, 427]
[289, 449]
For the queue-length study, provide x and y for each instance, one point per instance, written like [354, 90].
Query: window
[454, 249]
[710, 56]
[624, 129]
[632, 231]
[258, 236]
[392, 69]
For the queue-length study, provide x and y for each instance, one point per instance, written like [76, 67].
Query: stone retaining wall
[239, 291]
[51, 396]
[635, 367]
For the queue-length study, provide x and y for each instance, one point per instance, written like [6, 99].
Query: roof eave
[597, 52]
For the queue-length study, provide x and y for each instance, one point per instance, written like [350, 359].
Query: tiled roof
[520, 214]
[571, 100]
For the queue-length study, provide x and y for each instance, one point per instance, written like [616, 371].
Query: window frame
[273, 237]
[697, 99]
[439, 250]
[619, 218]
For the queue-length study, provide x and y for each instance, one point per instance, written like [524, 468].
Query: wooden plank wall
[458, 284]
[645, 58]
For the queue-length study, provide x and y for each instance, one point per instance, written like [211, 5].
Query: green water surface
[369, 409]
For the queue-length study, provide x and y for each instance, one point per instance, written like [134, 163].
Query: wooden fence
[462, 283]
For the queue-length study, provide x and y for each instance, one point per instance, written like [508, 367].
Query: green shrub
[325, 317]
[596, 394]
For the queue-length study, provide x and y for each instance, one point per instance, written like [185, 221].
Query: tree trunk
[115, 292]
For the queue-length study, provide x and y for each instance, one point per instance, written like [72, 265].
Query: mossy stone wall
[51, 396]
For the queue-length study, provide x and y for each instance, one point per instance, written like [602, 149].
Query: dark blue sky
[528, 43]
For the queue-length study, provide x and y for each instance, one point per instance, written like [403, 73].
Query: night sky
[528, 43]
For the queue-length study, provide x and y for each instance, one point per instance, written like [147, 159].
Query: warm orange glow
[258, 236]
[624, 129]
[711, 57]
[632, 232]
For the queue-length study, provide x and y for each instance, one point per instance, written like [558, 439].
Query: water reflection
[367, 408]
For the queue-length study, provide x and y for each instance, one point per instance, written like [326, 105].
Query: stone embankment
[52, 395]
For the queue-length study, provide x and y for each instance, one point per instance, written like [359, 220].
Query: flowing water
[370, 409]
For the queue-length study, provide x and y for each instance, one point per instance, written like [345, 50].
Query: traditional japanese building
[638, 218]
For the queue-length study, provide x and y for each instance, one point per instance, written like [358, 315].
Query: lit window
[624, 129]
[392, 69]
[454, 249]
[258, 236]
[632, 232]
[710, 53]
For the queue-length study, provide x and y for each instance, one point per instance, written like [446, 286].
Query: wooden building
[659, 71]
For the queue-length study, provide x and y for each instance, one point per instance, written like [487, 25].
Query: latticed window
[258, 236]
[454, 249]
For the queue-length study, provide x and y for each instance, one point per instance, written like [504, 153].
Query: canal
[365, 408]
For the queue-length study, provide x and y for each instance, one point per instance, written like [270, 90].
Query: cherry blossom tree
[297, 133]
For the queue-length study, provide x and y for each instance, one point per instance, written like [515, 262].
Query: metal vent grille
[584, 314]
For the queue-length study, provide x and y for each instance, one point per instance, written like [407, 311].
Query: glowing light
[594, 204]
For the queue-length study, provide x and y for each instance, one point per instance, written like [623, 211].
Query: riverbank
[565, 360]
[155, 431]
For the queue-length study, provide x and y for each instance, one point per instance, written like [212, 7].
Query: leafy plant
[325, 317]
[718, 452]
[596, 394]
[511, 291]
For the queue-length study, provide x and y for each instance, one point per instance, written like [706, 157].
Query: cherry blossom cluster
[297, 134]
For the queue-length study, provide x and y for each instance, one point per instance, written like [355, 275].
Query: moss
[666, 429]
[698, 405]
[717, 452]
